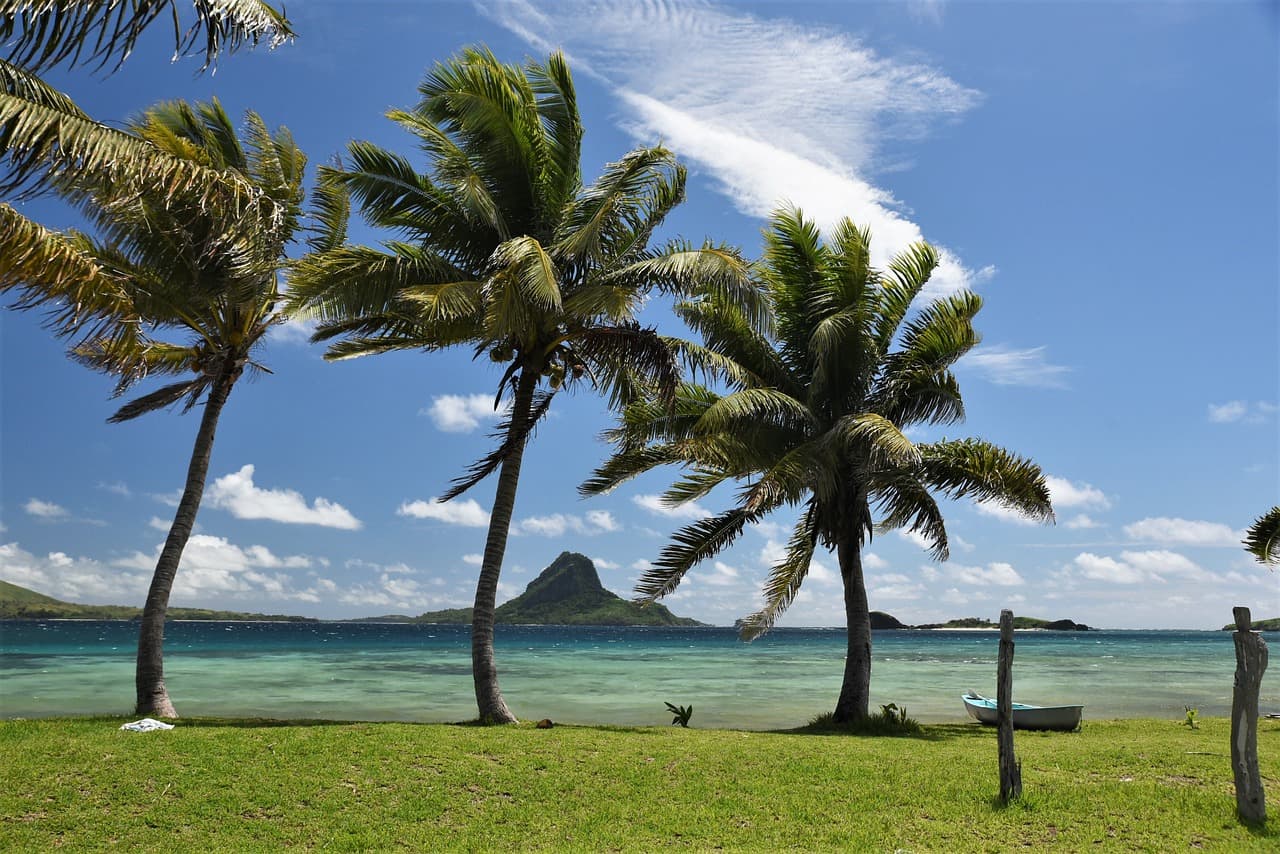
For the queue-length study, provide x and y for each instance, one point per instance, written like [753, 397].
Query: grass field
[257, 785]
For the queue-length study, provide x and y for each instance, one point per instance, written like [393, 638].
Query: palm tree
[1263, 539]
[505, 251]
[43, 33]
[813, 416]
[168, 263]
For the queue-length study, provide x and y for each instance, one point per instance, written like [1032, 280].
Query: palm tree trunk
[153, 697]
[855, 691]
[484, 671]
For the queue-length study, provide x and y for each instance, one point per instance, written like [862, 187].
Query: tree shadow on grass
[926, 732]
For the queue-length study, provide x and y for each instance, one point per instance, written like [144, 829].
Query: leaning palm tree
[812, 417]
[1263, 538]
[504, 250]
[167, 264]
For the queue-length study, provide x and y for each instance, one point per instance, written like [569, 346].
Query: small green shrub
[1192, 714]
[682, 714]
[891, 720]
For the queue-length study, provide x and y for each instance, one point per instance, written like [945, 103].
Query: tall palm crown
[167, 263]
[813, 418]
[504, 250]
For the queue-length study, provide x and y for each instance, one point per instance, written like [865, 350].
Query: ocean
[602, 675]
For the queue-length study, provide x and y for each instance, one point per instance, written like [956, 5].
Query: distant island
[566, 593]
[1271, 625]
[881, 620]
[19, 603]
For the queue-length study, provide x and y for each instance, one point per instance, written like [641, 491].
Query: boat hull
[1056, 718]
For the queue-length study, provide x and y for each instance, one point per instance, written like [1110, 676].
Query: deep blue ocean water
[594, 675]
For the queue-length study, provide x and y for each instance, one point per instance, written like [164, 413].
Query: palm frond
[712, 270]
[690, 545]
[512, 436]
[748, 407]
[1263, 538]
[558, 107]
[909, 272]
[942, 332]
[784, 580]
[352, 281]
[161, 398]
[904, 502]
[535, 275]
[618, 356]
[972, 468]
[45, 33]
[331, 210]
[885, 445]
[57, 272]
[624, 465]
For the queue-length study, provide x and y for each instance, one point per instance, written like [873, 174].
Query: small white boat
[1063, 718]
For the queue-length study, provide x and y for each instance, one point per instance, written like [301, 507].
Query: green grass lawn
[257, 785]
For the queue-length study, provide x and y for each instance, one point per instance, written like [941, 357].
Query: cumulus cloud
[601, 563]
[457, 413]
[556, 524]
[871, 560]
[1241, 411]
[768, 108]
[690, 510]
[237, 494]
[1082, 521]
[45, 509]
[1005, 365]
[999, 574]
[1133, 567]
[1064, 493]
[119, 488]
[467, 513]
[1183, 532]
[473, 559]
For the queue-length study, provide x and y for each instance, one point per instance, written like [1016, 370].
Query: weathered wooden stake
[1010, 768]
[1251, 662]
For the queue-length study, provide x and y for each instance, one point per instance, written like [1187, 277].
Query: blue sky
[1104, 174]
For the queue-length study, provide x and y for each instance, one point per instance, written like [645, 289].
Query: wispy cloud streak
[772, 109]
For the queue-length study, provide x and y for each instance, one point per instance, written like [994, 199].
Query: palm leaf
[512, 435]
[977, 469]
[1263, 538]
[49, 32]
[784, 580]
[690, 545]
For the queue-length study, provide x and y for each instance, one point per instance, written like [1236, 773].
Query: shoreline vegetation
[20, 603]
[1118, 785]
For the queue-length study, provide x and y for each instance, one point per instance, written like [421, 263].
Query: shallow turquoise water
[601, 675]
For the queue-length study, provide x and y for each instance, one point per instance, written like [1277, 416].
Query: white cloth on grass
[146, 725]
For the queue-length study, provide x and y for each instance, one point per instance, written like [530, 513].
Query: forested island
[19, 603]
[566, 593]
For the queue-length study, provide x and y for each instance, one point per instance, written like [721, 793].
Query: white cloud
[456, 413]
[160, 524]
[556, 524]
[1145, 567]
[293, 331]
[722, 574]
[467, 513]
[473, 559]
[237, 494]
[1064, 493]
[999, 573]
[1184, 532]
[1241, 411]
[1005, 365]
[915, 537]
[871, 560]
[45, 509]
[1082, 521]
[601, 563]
[690, 510]
[119, 488]
[770, 109]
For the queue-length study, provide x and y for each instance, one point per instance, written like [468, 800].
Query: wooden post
[1010, 768]
[1251, 662]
